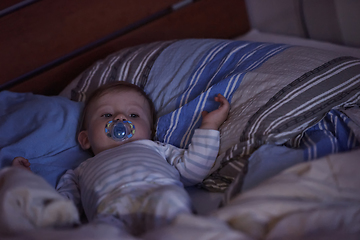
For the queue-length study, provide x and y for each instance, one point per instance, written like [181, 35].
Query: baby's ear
[84, 140]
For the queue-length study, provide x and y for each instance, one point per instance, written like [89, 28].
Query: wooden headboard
[46, 44]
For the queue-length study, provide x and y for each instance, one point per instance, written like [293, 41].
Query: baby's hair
[117, 87]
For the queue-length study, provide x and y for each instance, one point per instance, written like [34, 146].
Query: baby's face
[130, 106]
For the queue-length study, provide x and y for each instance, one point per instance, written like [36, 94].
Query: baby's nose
[120, 116]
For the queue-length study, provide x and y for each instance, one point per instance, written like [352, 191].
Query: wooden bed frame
[46, 44]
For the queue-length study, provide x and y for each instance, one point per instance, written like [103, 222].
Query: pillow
[41, 129]
[131, 64]
[263, 82]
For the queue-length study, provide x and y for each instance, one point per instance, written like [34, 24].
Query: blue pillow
[41, 129]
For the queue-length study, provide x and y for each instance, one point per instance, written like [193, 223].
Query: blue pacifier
[119, 130]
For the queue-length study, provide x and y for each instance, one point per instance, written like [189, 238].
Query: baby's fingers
[26, 163]
[21, 161]
[223, 101]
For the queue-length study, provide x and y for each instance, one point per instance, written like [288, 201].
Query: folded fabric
[313, 197]
[41, 129]
[27, 202]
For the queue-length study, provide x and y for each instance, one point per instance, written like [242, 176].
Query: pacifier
[119, 130]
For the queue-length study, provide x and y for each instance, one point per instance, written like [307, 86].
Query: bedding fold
[290, 112]
[28, 202]
[41, 129]
[314, 197]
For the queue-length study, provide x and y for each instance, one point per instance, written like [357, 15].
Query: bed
[289, 155]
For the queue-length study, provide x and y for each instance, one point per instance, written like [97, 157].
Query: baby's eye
[133, 115]
[106, 115]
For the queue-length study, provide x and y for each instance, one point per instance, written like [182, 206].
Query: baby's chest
[123, 168]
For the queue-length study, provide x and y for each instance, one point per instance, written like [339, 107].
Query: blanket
[309, 199]
[27, 201]
[313, 200]
[336, 132]
[41, 129]
[289, 112]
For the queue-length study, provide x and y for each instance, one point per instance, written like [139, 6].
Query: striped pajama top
[137, 163]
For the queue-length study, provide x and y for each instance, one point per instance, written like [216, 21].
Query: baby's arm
[68, 187]
[195, 162]
[21, 162]
[214, 119]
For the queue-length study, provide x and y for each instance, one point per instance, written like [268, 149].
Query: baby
[136, 184]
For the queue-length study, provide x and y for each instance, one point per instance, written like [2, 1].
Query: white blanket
[319, 196]
[27, 202]
[313, 200]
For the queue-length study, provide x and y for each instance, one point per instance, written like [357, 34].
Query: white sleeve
[69, 188]
[195, 162]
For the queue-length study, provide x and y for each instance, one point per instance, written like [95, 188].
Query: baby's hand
[214, 119]
[21, 162]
